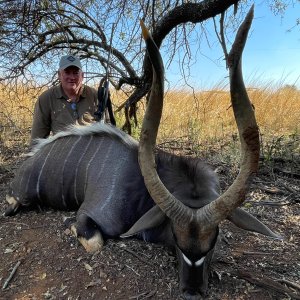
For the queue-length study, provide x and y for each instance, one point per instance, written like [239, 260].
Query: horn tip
[278, 237]
[145, 31]
[126, 235]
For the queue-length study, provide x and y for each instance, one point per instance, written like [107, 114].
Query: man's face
[71, 79]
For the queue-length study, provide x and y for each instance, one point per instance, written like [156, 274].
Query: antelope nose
[191, 295]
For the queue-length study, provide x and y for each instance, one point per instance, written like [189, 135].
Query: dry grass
[204, 121]
[209, 115]
[16, 110]
[200, 119]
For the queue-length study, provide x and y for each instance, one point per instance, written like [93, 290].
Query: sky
[271, 56]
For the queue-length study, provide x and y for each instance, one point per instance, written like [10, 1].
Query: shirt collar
[61, 94]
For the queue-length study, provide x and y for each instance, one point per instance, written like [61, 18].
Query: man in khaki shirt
[62, 105]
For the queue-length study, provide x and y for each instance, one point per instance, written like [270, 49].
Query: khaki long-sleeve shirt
[53, 112]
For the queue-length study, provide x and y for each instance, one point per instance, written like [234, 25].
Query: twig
[16, 223]
[135, 255]
[255, 253]
[266, 283]
[291, 190]
[150, 294]
[274, 203]
[290, 283]
[6, 283]
[286, 173]
[144, 295]
[138, 296]
[271, 190]
[133, 270]
[35, 227]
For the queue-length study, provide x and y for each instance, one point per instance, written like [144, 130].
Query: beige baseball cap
[69, 60]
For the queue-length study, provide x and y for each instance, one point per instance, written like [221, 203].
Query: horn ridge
[172, 207]
[220, 208]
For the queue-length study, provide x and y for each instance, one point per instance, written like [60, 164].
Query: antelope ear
[246, 221]
[150, 219]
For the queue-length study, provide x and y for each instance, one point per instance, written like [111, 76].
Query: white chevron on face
[197, 263]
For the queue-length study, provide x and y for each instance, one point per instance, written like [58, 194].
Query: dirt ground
[41, 260]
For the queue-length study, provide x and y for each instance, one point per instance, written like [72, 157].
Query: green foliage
[286, 147]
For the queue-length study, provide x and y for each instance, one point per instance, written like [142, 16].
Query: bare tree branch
[34, 34]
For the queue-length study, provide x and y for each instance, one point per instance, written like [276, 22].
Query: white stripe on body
[103, 168]
[77, 166]
[104, 161]
[32, 170]
[63, 169]
[89, 163]
[116, 174]
[40, 173]
[20, 182]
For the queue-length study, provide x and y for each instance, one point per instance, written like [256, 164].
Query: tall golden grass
[202, 117]
[17, 106]
[210, 114]
[207, 116]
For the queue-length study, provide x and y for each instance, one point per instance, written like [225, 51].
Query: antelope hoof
[91, 244]
[13, 207]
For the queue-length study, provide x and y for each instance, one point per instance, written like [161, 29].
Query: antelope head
[195, 231]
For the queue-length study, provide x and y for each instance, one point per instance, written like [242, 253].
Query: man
[62, 105]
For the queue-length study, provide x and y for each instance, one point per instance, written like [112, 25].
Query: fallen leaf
[93, 283]
[88, 268]
[8, 250]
